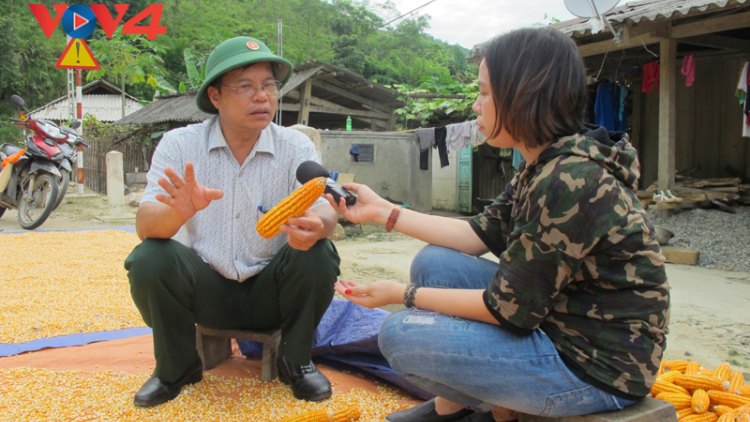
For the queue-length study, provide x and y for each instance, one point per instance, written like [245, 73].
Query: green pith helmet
[234, 53]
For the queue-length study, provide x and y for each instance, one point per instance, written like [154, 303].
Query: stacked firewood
[724, 193]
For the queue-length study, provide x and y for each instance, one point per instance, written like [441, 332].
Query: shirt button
[237, 216]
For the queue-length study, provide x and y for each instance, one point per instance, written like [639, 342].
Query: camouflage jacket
[579, 259]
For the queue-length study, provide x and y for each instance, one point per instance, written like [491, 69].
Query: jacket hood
[612, 150]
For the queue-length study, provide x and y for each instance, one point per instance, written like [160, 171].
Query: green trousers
[174, 289]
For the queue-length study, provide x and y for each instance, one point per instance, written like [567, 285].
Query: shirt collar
[216, 139]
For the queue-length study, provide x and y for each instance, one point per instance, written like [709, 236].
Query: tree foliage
[346, 33]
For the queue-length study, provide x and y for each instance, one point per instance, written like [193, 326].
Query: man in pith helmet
[201, 260]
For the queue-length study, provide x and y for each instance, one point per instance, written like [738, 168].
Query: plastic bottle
[348, 123]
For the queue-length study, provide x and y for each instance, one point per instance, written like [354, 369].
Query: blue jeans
[478, 364]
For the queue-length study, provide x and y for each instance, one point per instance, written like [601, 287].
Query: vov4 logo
[79, 20]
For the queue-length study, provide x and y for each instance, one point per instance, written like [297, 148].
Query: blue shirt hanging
[607, 106]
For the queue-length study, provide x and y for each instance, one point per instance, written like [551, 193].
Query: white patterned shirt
[224, 233]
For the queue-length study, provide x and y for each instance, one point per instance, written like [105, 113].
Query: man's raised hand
[185, 195]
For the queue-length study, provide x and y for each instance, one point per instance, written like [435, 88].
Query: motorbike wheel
[32, 214]
[63, 188]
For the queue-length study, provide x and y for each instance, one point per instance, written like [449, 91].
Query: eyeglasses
[248, 90]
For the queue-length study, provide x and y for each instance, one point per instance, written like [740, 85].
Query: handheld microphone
[310, 170]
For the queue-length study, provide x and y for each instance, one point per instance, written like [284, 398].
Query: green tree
[127, 59]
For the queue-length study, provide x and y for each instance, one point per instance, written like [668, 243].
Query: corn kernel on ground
[31, 394]
[59, 283]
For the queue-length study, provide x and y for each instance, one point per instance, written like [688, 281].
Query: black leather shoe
[155, 391]
[305, 380]
[425, 412]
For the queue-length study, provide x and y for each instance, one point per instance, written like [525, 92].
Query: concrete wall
[395, 172]
[445, 182]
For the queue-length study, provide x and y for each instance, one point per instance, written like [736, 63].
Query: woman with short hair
[573, 319]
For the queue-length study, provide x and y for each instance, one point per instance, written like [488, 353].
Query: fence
[105, 138]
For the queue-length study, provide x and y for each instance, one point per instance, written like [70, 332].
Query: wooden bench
[647, 410]
[215, 346]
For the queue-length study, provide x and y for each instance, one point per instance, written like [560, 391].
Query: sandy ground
[710, 318]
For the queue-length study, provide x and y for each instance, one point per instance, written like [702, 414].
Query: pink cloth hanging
[650, 75]
[688, 69]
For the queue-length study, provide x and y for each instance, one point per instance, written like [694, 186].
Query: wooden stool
[214, 346]
[646, 410]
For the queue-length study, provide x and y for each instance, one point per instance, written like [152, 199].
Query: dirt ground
[710, 317]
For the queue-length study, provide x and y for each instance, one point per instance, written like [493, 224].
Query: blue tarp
[71, 340]
[348, 333]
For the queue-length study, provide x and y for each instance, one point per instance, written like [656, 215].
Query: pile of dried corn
[59, 283]
[41, 395]
[702, 395]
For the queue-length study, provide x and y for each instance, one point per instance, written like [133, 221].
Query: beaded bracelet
[410, 294]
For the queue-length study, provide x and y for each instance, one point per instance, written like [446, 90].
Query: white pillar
[115, 182]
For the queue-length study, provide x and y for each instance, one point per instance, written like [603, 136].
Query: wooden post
[304, 99]
[667, 113]
[391, 125]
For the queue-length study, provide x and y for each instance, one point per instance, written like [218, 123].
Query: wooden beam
[305, 94]
[718, 41]
[602, 47]
[709, 26]
[344, 93]
[667, 112]
[338, 110]
[649, 33]
[392, 123]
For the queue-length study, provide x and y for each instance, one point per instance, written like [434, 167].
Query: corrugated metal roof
[347, 80]
[177, 108]
[297, 79]
[106, 108]
[649, 10]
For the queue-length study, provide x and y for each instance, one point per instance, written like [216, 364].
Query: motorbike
[29, 178]
[69, 148]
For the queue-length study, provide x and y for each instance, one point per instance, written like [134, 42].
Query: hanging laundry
[476, 136]
[517, 158]
[622, 116]
[440, 135]
[426, 138]
[741, 91]
[688, 69]
[459, 135]
[607, 105]
[650, 75]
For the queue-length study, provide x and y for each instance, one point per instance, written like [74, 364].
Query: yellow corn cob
[669, 376]
[723, 371]
[736, 382]
[721, 409]
[745, 391]
[704, 417]
[676, 365]
[701, 401]
[292, 206]
[694, 382]
[666, 387]
[346, 415]
[727, 417]
[685, 412]
[727, 398]
[706, 372]
[692, 368]
[679, 400]
[320, 415]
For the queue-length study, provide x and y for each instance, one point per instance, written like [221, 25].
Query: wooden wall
[709, 122]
